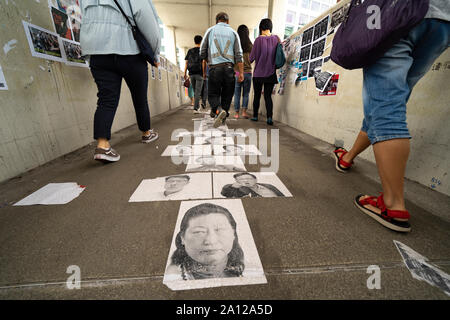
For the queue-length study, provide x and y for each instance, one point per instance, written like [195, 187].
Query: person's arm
[238, 57]
[186, 64]
[146, 19]
[204, 67]
[255, 47]
[204, 47]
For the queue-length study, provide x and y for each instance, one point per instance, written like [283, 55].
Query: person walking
[264, 75]
[194, 66]
[221, 48]
[243, 87]
[107, 38]
[387, 87]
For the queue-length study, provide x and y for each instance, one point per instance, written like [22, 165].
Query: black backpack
[194, 61]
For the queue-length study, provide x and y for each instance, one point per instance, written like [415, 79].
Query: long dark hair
[243, 33]
[235, 264]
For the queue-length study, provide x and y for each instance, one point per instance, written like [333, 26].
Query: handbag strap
[126, 17]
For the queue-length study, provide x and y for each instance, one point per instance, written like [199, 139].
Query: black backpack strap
[121, 10]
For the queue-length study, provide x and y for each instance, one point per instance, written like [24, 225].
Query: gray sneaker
[220, 120]
[106, 156]
[151, 137]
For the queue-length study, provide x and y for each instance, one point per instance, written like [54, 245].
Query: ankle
[394, 203]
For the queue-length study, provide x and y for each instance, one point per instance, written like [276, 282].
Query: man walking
[194, 66]
[221, 48]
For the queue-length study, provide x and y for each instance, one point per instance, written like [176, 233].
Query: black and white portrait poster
[174, 187]
[236, 150]
[212, 246]
[315, 66]
[317, 49]
[215, 163]
[305, 53]
[322, 80]
[307, 36]
[249, 185]
[43, 43]
[182, 150]
[214, 140]
[321, 28]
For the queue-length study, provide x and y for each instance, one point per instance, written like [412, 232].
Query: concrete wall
[49, 107]
[339, 117]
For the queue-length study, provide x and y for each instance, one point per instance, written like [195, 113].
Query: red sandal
[396, 220]
[341, 165]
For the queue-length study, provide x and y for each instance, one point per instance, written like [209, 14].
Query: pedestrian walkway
[313, 245]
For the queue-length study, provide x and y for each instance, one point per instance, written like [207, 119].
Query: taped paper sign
[212, 246]
[53, 193]
[3, 85]
[175, 187]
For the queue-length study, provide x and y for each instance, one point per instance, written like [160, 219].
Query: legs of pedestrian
[214, 90]
[257, 89]
[237, 98]
[246, 92]
[268, 88]
[197, 83]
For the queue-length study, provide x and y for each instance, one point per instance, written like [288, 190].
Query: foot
[212, 114]
[270, 121]
[106, 155]
[343, 161]
[221, 118]
[196, 111]
[374, 207]
[236, 115]
[152, 136]
[244, 114]
[254, 119]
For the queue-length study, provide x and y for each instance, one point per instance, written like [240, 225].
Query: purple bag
[355, 45]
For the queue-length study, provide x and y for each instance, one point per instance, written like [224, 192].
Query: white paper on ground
[3, 85]
[236, 150]
[154, 189]
[213, 140]
[422, 270]
[187, 150]
[253, 272]
[215, 163]
[53, 193]
[267, 179]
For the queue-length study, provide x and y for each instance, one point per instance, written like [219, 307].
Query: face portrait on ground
[215, 163]
[212, 246]
[181, 150]
[236, 149]
[249, 185]
[175, 187]
[214, 140]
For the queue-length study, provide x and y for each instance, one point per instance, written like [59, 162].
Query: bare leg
[391, 157]
[361, 143]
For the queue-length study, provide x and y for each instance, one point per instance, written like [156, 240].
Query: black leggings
[108, 72]
[257, 88]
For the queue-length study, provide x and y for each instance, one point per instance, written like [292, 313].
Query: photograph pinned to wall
[322, 79]
[61, 23]
[159, 74]
[305, 69]
[72, 52]
[236, 150]
[215, 163]
[43, 43]
[175, 187]
[307, 36]
[326, 59]
[181, 150]
[73, 10]
[76, 27]
[194, 264]
[321, 28]
[338, 16]
[3, 85]
[249, 185]
[176, 76]
[331, 88]
[315, 66]
[317, 49]
[305, 53]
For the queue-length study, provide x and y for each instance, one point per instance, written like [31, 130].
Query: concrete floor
[316, 245]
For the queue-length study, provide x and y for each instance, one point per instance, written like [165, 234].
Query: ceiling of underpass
[191, 17]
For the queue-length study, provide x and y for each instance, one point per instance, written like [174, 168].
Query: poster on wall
[321, 28]
[307, 36]
[338, 16]
[314, 67]
[73, 10]
[322, 79]
[153, 73]
[305, 52]
[318, 49]
[3, 85]
[72, 51]
[159, 74]
[62, 23]
[331, 88]
[43, 43]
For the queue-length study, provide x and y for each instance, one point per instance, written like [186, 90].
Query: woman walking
[264, 76]
[243, 87]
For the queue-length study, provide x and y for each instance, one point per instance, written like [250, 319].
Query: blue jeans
[245, 87]
[388, 82]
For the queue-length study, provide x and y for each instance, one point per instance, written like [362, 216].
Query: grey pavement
[316, 245]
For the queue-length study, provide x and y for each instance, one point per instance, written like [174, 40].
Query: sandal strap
[388, 213]
[373, 201]
[341, 161]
